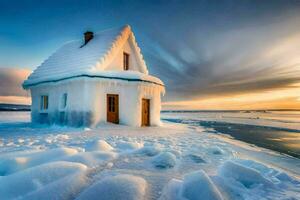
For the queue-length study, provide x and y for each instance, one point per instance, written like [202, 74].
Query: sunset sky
[210, 54]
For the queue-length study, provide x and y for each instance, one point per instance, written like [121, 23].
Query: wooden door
[145, 112]
[112, 108]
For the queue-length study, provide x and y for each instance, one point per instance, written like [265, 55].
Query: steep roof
[91, 60]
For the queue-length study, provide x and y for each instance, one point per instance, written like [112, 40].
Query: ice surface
[116, 187]
[175, 161]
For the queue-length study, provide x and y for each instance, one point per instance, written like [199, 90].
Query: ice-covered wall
[86, 101]
[76, 112]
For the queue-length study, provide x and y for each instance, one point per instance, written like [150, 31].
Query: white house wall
[130, 97]
[117, 63]
[76, 104]
[86, 103]
[127, 100]
[152, 92]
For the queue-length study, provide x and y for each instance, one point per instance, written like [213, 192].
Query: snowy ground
[175, 161]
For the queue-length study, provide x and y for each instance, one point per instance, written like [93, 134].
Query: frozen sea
[194, 155]
[276, 130]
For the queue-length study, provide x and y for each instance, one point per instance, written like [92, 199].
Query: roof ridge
[114, 28]
[140, 55]
[114, 47]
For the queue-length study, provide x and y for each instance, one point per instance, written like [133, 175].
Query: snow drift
[195, 186]
[172, 162]
[47, 180]
[116, 187]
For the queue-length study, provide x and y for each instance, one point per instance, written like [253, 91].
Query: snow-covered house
[102, 78]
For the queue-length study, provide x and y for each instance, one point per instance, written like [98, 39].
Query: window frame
[126, 57]
[44, 108]
[63, 101]
[111, 104]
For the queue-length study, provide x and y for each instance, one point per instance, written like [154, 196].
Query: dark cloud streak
[228, 61]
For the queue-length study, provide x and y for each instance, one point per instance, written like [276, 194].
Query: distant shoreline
[14, 107]
[245, 111]
[21, 107]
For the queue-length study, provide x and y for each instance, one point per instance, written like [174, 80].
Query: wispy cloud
[242, 60]
[202, 50]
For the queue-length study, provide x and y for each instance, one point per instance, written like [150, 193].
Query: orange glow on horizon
[15, 100]
[286, 98]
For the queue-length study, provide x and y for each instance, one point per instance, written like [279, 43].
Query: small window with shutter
[125, 61]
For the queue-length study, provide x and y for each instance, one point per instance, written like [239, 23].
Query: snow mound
[249, 177]
[216, 150]
[116, 187]
[284, 177]
[13, 162]
[195, 186]
[128, 146]
[36, 178]
[196, 158]
[99, 145]
[171, 190]
[65, 188]
[91, 159]
[164, 160]
[148, 150]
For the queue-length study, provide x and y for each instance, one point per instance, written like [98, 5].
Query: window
[64, 101]
[111, 104]
[44, 102]
[125, 61]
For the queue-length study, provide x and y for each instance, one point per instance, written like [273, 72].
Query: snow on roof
[91, 60]
[131, 76]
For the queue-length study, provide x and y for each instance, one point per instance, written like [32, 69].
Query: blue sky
[32, 30]
[200, 49]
